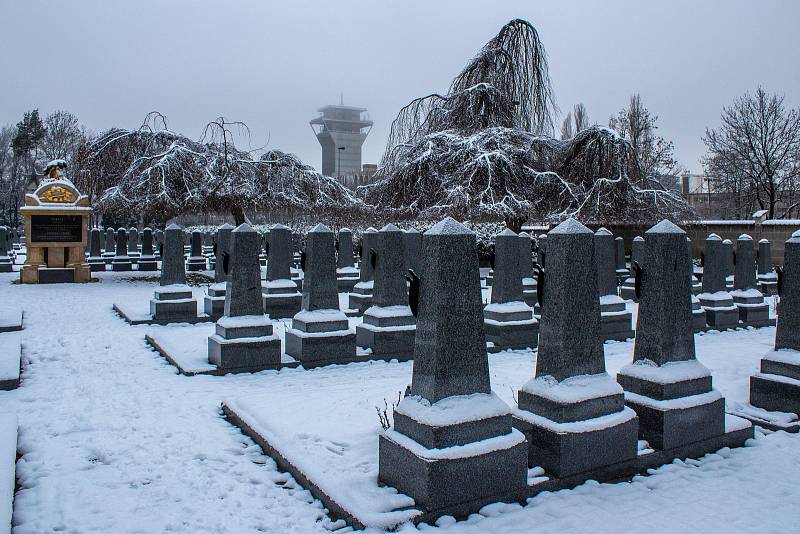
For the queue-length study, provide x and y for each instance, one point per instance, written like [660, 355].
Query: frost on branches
[484, 151]
[158, 174]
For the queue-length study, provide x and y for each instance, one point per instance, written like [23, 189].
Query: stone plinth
[721, 312]
[196, 261]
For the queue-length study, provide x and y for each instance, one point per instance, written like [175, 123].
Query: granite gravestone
[451, 406]
[320, 332]
[281, 298]
[244, 340]
[196, 261]
[95, 260]
[697, 286]
[666, 386]
[753, 311]
[159, 241]
[615, 322]
[133, 245]
[526, 268]
[571, 384]
[110, 247]
[412, 243]
[721, 312]
[214, 299]
[777, 386]
[361, 296]
[5, 259]
[767, 278]
[121, 261]
[628, 289]
[173, 301]
[508, 321]
[147, 260]
[388, 327]
[619, 259]
[346, 272]
[727, 250]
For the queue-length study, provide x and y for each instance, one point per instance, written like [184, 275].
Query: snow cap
[244, 227]
[713, 237]
[145, 228]
[345, 229]
[638, 238]
[448, 225]
[765, 240]
[226, 226]
[542, 236]
[570, 226]
[371, 230]
[603, 231]
[279, 226]
[524, 234]
[745, 237]
[508, 231]
[411, 231]
[174, 226]
[727, 242]
[390, 228]
[796, 233]
[320, 228]
[665, 227]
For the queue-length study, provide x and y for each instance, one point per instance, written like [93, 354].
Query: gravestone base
[622, 275]
[529, 291]
[244, 344]
[721, 312]
[628, 290]
[668, 428]
[281, 298]
[768, 283]
[196, 263]
[96, 264]
[346, 279]
[321, 337]
[173, 304]
[6, 264]
[108, 257]
[361, 297]
[777, 386]
[697, 286]
[699, 320]
[134, 256]
[148, 263]
[753, 311]
[615, 320]
[10, 362]
[510, 325]
[214, 300]
[53, 275]
[388, 332]
[121, 264]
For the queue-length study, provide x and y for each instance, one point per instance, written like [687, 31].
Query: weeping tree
[485, 150]
[157, 174]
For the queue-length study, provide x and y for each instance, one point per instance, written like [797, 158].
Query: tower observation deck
[341, 130]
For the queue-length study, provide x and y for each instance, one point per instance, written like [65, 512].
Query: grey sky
[272, 64]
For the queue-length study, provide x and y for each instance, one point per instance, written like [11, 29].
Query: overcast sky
[272, 64]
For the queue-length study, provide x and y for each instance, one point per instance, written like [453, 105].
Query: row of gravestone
[8, 251]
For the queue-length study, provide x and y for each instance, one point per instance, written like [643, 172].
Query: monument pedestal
[753, 311]
[579, 424]
[244, 343]
[346, 278]
[529, 291]
[442, 459]
[214, 300]
[361, 297]
[173, 304]
[121, 263]
[96, 263]
[196, 263]
[615, 320]
[698, 316]
[281, 299]
[510, 325]
[321, 337]
[768, 283]
[148, 263]
[777, 386]
[388, 331]
[721, 312]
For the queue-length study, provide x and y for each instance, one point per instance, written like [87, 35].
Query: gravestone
[320, 332]
[263, 252]
[628, 288]
[619, 259]
[133, 245]
[196, 261]
[753, 311]
[508, 320]
[360, 298]
[173, 301]
[721, 312]
[121, 261]
[214, 299]
[346, 272]
[281, 298]
[451, 406]
[412, 243]
[95, 260]
[666, 386]
[526, 268]
[727, 247]
[110, 248]
[243, 341]
[777, 386]
[615, 321]
[571, 384]
[6, 265]
[159, 241]
[388, 327]
[697, 286]
[767, 278]
[147, 260]
[541, 249]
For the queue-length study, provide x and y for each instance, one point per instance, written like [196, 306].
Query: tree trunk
[238, 215]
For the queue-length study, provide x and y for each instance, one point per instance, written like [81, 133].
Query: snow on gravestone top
[605, 262]
[390, 283]
[787, 334]
[243, 292]
[450, 344]
[319, 285]
[714, 265]
[569, 330]
[507, 283]
[603, 231]
[223, 249]
[280, 254]
[745, 266]
[173, 270]
[664, 326]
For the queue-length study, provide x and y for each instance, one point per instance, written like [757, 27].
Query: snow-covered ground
[114, 440]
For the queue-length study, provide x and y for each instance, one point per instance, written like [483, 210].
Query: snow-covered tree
[485, 151]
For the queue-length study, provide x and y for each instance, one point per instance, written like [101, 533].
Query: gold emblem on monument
[57, 194]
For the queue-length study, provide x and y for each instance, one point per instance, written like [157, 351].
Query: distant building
[341, 130]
